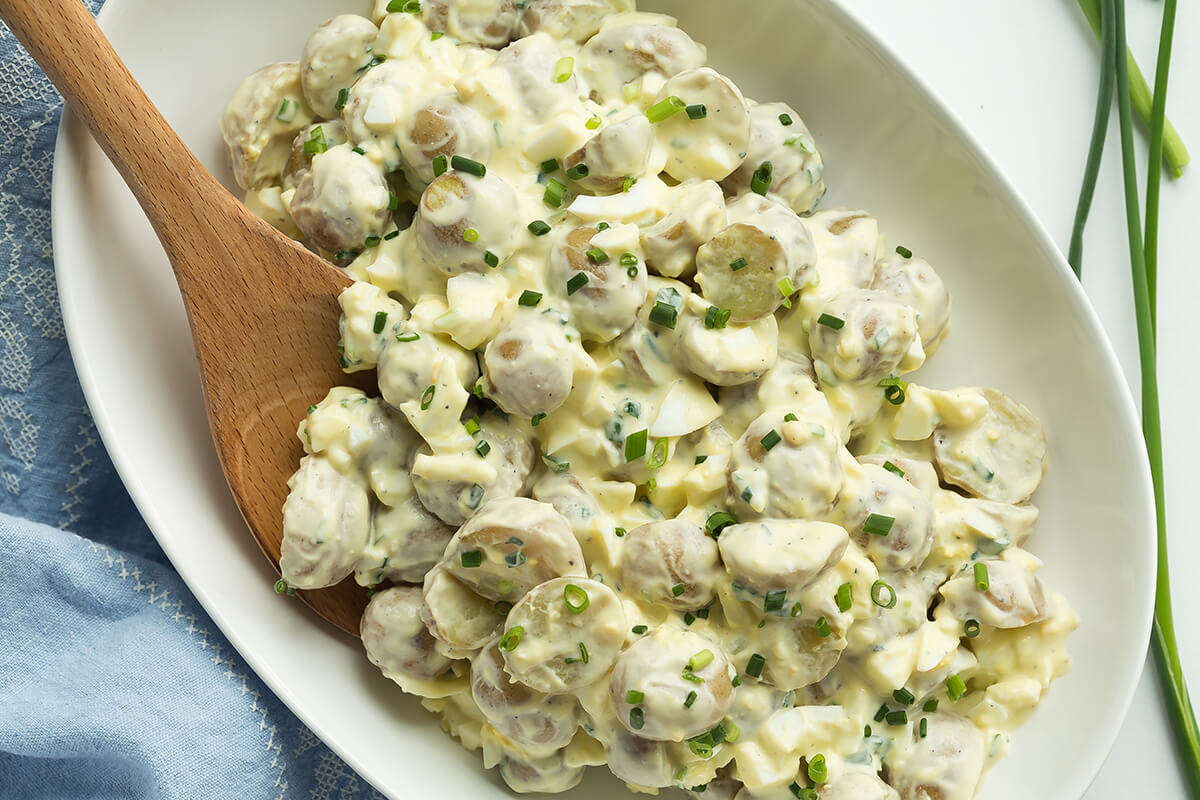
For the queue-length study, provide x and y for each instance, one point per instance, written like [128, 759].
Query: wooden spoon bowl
[263, 310]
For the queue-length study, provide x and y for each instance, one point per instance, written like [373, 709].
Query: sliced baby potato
[778, 136]
[695, 213]
[455, 615]
[260, 121]
[396, 639]
[999, 457]
[332, 60]
[781, 554]
[563, 634]
[708, 147]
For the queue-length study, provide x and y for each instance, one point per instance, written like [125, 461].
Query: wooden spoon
[262, 309]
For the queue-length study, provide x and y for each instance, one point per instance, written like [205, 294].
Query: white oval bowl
[1021, 323]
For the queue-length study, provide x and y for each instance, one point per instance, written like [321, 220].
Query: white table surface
[1022, 75]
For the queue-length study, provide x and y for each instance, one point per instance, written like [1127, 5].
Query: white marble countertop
[1022, 75]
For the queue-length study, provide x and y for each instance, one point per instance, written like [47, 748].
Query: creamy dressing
[644, 486]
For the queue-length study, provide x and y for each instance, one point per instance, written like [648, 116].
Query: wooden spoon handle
[64, 39]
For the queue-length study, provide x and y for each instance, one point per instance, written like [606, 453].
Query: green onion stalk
[1183, 718]
[1175, 153]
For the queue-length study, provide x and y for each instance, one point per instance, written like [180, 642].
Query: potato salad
[644, 485]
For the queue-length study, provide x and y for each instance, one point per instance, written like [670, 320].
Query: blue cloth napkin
[113, 681]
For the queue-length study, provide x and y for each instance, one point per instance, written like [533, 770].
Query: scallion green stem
[1174, 150]
[1187, 738]
[1158, 119]
[1108, 46]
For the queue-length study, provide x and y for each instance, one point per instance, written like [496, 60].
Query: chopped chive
[700, 660]
[893, 390]
[882, 713]
[639, 629]
[577, 171]
[878, 524]
[388, 237]
[892, 468]
[665, 109]
[658, 456]
[483, 448]
[511, 638]
[287, 110]
[697, 111]
[359, 151]
[930, 705]
[633, 408]
[316, 142]
[716, 318]
[760, 182]
[372, 241]
[375, 61]
[440, 165]
[802, 792]
[897, 717]
[342, 99]
[774, 600]
[737, 681]
[955, 687]
[602, 226]
[427, 398]
[620, 532]
[557, 465]
[634, 696]
[718, 522]
[787, 289]
[664, 314]
[380, 321]
[771, 439]
[472, 425]
[576, 598]
[549, 165]
[529, 298]
[629, 260]
[470, 235]
[830, 321]
[477, 390]
[754, 666]
[818, 772]
[393, 201]
[538, 228]
[635, 445]
[563, 69]
[737, 264]
[576, 282]
[678, 589]
[691, 698]
[472, 558]
[596, 255]
[823, 629]
[797, 609]
[475, 496]
[468, 165]
[593, 122]
[923, 728]
[701, 459]
[312, 408]
[845, 597]
[281, 587]
[877, 589]
[904, 251]
[903, 696]
[866, 731]
[981, 577]
[789, 417]
[408, 336]
[537, 418]
[553, 196]
[514, 560]
[637, 718]
[628, 183]
[785, 119]
[971, 628]
[491, 259]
